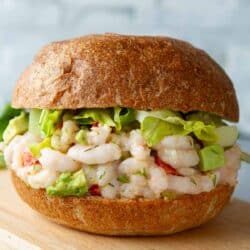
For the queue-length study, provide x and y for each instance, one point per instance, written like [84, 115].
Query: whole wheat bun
[127, 217]
[140, 72]
[128, 71]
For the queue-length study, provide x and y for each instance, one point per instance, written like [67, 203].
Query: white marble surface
[221, 27]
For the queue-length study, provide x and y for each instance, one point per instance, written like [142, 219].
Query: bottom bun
[124, 216]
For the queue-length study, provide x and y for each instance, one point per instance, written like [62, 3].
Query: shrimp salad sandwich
[123, 135]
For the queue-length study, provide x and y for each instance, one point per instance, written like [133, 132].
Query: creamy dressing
[103, 162]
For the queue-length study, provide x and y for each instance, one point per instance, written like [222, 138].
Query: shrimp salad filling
[120, 152]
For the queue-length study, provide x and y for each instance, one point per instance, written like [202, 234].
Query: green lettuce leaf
[17, 126]
[88, 116]
[6, 114]
[206, 118]
[155, 129]
[211, 157]
[123, 117]
[34, 117]
[205, 133]
[48, 121]
[69, 184]
[161, 114]
[35, 149]
[2, 161]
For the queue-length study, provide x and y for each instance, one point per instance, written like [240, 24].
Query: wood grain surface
[23, 228]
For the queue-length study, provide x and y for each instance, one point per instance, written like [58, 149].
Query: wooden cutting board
[23, 228]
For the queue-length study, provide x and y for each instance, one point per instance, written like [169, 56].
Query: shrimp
[9, 151]
[69, 130]
[178, 151]
[106, 173]
[90, 173]
[138, 187]
[132, 165]
[187, 185]
[111, 190]
[228, 173]
[95, 155]
[13, 153]
[179, 158]
[98, 135]
[57, 161]
[138, 146]
[24, 173]
[122, 140]
[176, 142]
[62, 139]
[43, 179]
[158, 180]
[187, 171]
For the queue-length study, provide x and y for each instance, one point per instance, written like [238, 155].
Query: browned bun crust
[140, 72]
[127, 217]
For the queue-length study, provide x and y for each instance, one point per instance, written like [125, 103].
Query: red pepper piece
[29, 159]
[95, 124]
[168, 168]
[59, 125]
[95, 190]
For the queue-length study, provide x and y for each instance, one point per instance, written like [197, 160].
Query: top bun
[140, 72]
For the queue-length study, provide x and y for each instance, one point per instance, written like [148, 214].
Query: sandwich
[123, 135]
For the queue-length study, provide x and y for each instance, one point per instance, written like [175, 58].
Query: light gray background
[221, 27]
